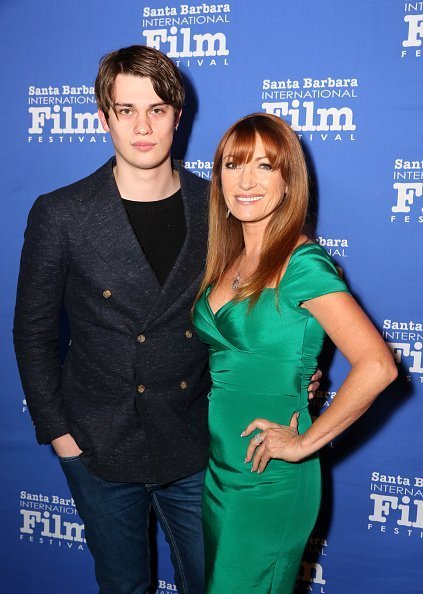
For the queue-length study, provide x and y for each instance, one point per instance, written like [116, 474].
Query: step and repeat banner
[348, 78]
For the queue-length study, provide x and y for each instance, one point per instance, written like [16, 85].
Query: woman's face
[252, 190]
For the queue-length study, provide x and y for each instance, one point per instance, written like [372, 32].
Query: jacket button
[140, 388]
[107, 293]
[183, 385]
[188, 333]
[141, 338]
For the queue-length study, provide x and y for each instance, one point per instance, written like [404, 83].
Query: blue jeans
[116, 528]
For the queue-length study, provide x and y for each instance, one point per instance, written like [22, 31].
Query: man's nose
[142, 125]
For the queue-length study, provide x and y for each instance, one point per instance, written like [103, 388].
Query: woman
[268, 296]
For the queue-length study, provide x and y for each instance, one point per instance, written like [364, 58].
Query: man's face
[142, 130]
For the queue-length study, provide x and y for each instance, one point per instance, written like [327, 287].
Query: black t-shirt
[160, 229]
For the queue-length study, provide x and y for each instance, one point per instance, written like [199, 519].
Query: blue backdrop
[348, 77]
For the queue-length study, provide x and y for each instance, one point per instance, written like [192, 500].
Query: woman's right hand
[65, 446]
[281, 442]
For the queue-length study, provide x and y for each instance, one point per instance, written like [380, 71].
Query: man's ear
[103, 120]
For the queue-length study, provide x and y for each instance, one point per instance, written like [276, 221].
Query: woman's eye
[266, 166]
[230, 165]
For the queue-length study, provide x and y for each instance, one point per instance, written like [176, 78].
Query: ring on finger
[258, 438]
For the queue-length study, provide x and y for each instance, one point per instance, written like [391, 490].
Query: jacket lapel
[189, 266]
[104, 222]
[106, 226]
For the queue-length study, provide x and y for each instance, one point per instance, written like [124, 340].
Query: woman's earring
[228, 213]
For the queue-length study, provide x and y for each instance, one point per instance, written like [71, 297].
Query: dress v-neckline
[217, 312]
[233, 301]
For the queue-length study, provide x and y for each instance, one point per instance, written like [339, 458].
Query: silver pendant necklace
[237, 280]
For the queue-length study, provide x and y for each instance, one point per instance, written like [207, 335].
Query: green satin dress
[256, 525]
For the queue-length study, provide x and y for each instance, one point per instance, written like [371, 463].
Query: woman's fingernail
[242, 434]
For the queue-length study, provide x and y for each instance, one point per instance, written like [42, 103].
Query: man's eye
[158, 110]
[125, 111]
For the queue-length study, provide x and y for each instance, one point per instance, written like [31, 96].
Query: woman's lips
[248, 199]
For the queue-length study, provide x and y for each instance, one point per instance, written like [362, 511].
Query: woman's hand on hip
[281, 442]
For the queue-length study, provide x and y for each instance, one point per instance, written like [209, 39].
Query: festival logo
[201, 168]
[413, 32]
[317, 109]
[396, 504]
[335, 246]
[50, 520]
[405, 339]
[63, 114]
[321, 401]
[311, 575]
[408, 191]
[165, 587]
[193, 35]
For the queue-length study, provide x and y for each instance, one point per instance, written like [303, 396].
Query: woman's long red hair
[225, 240]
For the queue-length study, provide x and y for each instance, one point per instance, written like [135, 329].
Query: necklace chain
[237, 279]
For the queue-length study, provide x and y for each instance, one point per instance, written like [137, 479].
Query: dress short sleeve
[311, 273]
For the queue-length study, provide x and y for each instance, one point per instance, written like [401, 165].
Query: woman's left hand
[274, 441]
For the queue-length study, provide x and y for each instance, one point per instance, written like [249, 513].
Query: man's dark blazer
[132, 390]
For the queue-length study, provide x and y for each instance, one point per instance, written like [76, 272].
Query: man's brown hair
[139, 60]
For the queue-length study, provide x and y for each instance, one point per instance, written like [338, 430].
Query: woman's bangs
[241, 144]
[275, 150]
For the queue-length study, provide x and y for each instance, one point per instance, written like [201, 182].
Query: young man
[123, 251]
